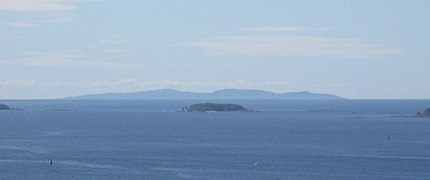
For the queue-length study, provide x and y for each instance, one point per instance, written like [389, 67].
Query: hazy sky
[354, 49]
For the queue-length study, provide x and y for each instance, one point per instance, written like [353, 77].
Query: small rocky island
[4, 107]
[212, 107]
[425, 113]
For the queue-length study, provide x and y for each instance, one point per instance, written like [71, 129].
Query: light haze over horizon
[354, 49]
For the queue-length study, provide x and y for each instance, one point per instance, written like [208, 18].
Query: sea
[152, 139]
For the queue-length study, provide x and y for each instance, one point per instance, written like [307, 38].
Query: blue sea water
[348, 139]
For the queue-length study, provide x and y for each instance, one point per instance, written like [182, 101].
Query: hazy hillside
[216, 95]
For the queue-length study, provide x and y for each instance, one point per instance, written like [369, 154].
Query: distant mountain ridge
[225, 94]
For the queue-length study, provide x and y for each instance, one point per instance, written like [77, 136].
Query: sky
[358, 49]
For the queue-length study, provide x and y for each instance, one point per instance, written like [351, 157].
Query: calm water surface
[354, 139]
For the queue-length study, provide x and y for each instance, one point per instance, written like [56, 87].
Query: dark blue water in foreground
[355, 139]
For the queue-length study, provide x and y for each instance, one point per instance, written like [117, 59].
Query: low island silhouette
[213, 107]
[425, 113]
[4, 107]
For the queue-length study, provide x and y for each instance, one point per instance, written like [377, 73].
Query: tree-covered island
[4, 107]
[425, 113]
[212, 107]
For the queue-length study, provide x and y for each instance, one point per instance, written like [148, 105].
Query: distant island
[212, 107]
[225, 94]
[425, 113]
[4, 107]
